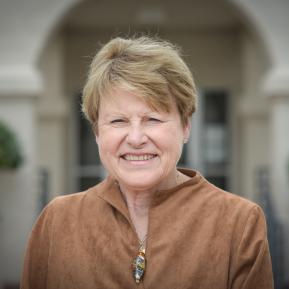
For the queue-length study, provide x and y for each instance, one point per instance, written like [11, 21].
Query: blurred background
[238, 53]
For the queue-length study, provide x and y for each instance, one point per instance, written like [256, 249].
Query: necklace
[139, 262]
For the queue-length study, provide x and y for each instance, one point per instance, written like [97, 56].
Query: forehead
[121, 99]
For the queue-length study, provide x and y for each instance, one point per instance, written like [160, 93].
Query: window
[209, 149]
[88, 170]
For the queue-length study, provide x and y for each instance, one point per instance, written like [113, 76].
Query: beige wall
[52, 114]
[253, 117]
[17, 196]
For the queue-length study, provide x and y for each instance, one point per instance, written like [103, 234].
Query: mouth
[139, 157]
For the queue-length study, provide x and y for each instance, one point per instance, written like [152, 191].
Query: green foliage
[10, 152]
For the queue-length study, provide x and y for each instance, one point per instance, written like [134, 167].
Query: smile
[144, 157]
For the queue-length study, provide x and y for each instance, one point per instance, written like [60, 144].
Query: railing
[275, 231]
[43, 185]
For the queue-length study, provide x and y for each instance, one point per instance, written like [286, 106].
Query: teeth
[138, 157]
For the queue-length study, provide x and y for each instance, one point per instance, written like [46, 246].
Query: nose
[136, 135]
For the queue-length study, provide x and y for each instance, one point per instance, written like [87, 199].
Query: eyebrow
[121, 114]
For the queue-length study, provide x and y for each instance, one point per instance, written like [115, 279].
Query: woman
[148, 224]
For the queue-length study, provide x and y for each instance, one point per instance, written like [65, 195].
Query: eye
[154, 120]
[118, 120]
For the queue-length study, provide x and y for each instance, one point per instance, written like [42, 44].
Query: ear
[95, 132]
[187, 130]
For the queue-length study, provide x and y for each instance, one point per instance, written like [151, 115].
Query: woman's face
[140, 147]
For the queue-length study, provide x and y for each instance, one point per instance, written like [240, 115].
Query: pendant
[139, 264]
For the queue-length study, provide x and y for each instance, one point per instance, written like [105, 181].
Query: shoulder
[233, 215]
[68, 202]
[206, 193]
[76, 200]
[230, 210]
[71, 207]
[227, 200]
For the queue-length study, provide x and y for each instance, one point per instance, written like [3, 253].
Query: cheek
[105, 149]
[171, 144]
[172, 137]
[107, 155]
[176, 142]
[108, 143]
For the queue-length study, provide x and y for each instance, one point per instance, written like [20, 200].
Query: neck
[138, 201]
[138, 204]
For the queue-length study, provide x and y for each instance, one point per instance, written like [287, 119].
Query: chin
[140, 182]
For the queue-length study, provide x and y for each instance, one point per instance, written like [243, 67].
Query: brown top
[198, 237]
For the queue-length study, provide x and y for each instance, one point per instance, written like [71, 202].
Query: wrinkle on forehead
[111, 107]
[151, 100]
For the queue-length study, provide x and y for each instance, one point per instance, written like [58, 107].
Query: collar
[109, 191]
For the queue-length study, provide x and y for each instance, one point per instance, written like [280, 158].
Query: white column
[19, 88]
[276, 87]
[280, 153]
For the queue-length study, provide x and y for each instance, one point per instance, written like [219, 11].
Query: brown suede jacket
[199, 237]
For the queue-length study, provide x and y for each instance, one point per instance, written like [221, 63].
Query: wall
[52, 115]
[18, 190]
[253, 116]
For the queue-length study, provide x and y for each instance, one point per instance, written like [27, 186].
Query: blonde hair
[150, 67]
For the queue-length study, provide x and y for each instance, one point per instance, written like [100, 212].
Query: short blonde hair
[150, 67]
